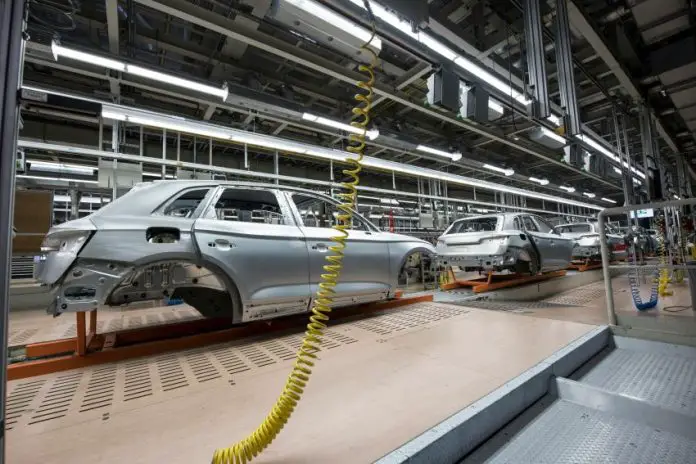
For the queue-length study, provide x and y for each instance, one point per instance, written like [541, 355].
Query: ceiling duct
[547, 138]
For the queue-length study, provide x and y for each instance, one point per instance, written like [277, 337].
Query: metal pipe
[164, 152]
[12, 27]
[88, 152]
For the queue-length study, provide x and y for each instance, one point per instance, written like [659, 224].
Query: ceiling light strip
[90, 58]
[187, 126]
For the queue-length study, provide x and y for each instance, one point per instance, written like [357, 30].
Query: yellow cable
[663, 279]
[251, 446]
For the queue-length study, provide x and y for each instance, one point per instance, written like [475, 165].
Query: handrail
[611, 311]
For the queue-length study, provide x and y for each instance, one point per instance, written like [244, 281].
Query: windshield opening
[481, 224]
[573, 228]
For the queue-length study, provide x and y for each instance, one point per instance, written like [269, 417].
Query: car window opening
[257, 206]
[481, 224]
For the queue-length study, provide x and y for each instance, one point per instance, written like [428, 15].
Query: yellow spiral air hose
[251, 446]
[663, 279]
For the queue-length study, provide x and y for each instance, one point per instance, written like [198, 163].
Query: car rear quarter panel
[124, 239]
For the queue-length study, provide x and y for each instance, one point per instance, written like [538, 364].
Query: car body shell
[512, 243]
[586, 245]
[261, 270]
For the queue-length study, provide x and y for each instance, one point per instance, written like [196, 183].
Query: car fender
[400, 251]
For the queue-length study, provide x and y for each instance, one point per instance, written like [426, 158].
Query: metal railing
[606, 265]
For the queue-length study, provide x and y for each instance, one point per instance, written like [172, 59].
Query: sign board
[643, 213]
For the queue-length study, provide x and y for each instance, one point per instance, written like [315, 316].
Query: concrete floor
[384, 380]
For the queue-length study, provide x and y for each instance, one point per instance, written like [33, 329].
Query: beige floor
[380, 382]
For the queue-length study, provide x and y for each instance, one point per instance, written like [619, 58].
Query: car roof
[146, 197]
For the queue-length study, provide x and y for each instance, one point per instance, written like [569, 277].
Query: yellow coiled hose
[663, 279]
[251, 446]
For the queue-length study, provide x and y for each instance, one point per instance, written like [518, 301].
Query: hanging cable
[251, 446]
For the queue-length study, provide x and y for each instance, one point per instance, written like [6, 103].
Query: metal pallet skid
[90, 348]
[498, 281]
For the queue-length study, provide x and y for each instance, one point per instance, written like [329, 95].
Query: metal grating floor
[62, 399]
[667, 380]
[568, 433]
[625, 389]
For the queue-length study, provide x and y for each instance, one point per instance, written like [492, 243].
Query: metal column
[646, 143]
[12, 24]
[536, 61]
[564, 65]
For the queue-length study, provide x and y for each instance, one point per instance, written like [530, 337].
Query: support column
[647, 146]
[565, 71]
[536, 61]
[12, 26]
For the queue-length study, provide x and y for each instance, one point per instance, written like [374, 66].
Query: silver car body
[585, 236]
[508, 242]
[188, 239]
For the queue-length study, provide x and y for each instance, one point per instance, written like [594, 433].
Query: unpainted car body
[586, 245]
[240, 250]
[515, 242]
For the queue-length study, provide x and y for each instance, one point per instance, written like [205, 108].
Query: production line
[356, 231]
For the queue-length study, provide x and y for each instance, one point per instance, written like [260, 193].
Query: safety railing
[673, 329]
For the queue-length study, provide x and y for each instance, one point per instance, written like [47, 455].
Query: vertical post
[647, 147]
[536, 61]
[81, 333]
[246, 157]
[276, 169]
[141, 148]
[331, 179]
[565, 71]
[210, 152]
[164, 153]
[12, 25]
[178, 147]
[101, 133]
[114, 148]
[605, 270]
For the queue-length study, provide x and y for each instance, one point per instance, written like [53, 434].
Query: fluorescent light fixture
[539, 181]
[185, 125]
[158, 175]
[552, 135]
[495, 106]
[370, 134]
[617, 170]
[96, 60]
[337, 20]
[25, 176]
[91, 200]
[676, 197]
[480, 210]
[45, 166]
[567, 189]
[589, 195]
[441, 49]
[555, 120]
[90, 58]
[434, 151]
[175, 124]
[177, 81]
[388, 201]
[507, 172]
[600, 148]
[609, 200]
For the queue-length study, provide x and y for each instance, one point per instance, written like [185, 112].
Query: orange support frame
[147, 341]
[496, 282]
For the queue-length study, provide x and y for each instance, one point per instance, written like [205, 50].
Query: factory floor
[381, 380]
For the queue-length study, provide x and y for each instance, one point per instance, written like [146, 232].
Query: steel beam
[209, 20]
[647, 145]
[566, 71]
[111, 7]
[580, 23]
[536, 60]
[12, 26]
